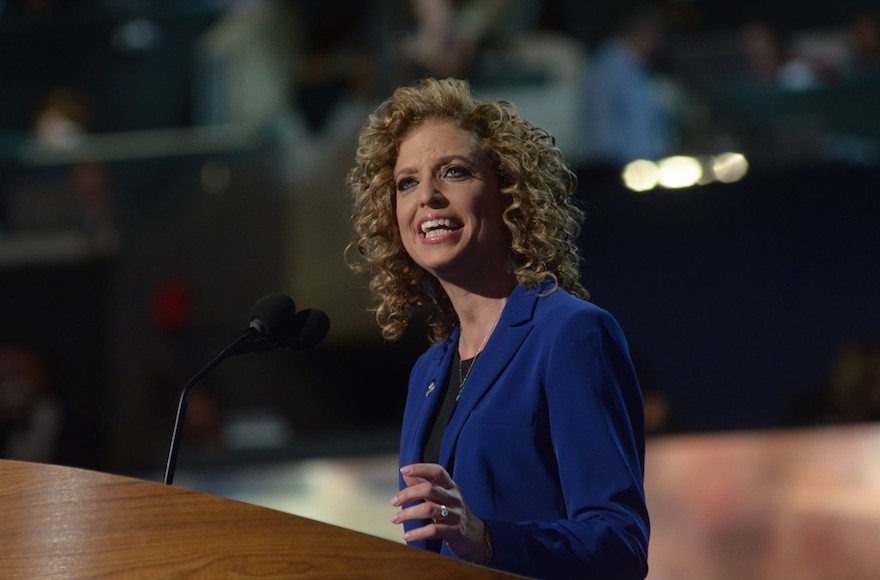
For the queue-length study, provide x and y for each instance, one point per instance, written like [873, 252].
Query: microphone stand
[232, 349]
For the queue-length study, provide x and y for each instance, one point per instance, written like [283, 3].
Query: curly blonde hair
[540, 215]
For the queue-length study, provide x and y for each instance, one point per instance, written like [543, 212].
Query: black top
[460, 368]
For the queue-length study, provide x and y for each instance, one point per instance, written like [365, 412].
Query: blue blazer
[547, 441]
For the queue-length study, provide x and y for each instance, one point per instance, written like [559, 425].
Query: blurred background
[165, 163]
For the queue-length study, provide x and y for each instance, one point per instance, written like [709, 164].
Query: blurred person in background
[769, 62]
[660, 417]
[81, 197]
[62, 118]
[849, 394]
[448, 36]
[627, 111]
[30, 413]
[522, 443]
[864, 45]
[855, 382]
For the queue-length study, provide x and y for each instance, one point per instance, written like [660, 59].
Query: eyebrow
[471, 159]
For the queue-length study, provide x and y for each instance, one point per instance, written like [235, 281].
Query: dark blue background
[736, 297]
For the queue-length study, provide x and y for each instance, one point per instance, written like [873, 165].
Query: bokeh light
[641, 175]
[730, 167]
[679, 171]
[683, 171]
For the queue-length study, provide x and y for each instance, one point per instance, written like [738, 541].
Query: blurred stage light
[641, 175]
[679, 171]
[730, 167]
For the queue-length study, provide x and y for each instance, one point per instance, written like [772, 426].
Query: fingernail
[406, 470]
[394, 500]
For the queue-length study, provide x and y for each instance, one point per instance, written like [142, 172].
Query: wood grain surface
[60, 522]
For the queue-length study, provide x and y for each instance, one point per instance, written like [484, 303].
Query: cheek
[404, 220]
[401, 218]
[491, 210]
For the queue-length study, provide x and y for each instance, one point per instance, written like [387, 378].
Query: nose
[430, 194]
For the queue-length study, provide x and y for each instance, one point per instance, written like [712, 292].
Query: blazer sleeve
[597, 430]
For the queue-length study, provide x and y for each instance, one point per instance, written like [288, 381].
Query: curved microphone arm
[235, 348]
[274, 324]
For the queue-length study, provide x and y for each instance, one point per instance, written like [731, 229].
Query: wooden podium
[65, 522]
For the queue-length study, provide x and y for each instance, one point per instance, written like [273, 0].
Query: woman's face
[449, 204]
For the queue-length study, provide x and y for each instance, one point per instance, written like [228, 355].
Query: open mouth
[438, 227]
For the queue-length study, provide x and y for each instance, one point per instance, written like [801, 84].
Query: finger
[442, 513]
[420, 491]
[431, 530]
[426, 532]
[427, 471]
[425, 511]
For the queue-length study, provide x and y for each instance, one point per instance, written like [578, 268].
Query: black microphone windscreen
[273, 316]
[310, 328]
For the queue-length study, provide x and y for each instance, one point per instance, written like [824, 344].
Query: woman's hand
[440, 500]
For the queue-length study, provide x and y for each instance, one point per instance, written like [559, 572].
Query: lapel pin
[430, 388]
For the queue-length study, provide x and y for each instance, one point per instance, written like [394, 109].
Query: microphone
[274, 323]
[310, 327]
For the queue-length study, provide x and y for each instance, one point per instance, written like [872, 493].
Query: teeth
[431, 224]
[436, 233]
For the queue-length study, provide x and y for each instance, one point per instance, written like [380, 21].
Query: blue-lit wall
[737, 297]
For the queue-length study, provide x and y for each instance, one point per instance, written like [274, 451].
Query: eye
[456, 172]
[406, 183]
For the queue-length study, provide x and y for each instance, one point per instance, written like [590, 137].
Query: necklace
[463, 379]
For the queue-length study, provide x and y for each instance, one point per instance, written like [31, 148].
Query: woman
[523, 440]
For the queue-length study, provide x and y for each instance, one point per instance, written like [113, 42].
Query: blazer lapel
[512, 329]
